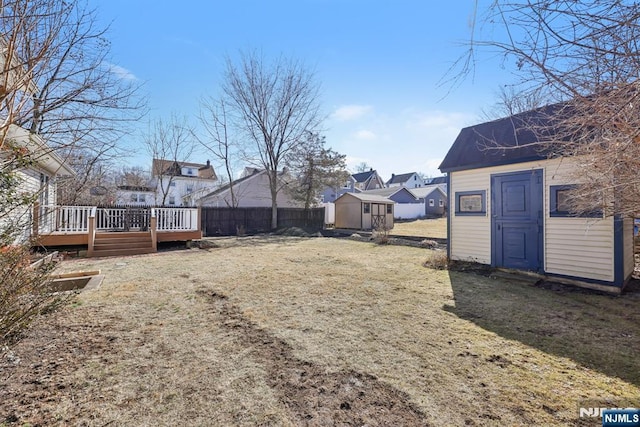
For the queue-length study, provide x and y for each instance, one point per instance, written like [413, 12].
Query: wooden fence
[228, 221]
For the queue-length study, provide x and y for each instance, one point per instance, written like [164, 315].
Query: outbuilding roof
[388, 191]
[512, 139]
[367, 197]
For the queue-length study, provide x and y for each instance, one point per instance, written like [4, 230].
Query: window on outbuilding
[560, 203]
[471, 202]
[441, 203]
[389, 209]
[366, 208]
[432, 202]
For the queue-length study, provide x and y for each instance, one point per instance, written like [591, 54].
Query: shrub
[24, 291]
[380, 235]
[438, 261]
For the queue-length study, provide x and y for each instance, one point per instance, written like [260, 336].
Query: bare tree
[168, 143]
[135, 176]
[363, 167]
[77, 99]
[315, 167]
[218, 140]
[274, 105]
[585, 58]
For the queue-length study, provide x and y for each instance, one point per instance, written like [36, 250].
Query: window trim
[366, 208]
[481, 193]
[553, 204]
[432, 203]
[389, 209]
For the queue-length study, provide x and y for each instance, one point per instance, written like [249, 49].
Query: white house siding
[578, 247]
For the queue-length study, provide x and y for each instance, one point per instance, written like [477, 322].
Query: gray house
[434, 197]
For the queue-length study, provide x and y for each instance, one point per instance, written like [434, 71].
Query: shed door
[517, 220]
[378, 215]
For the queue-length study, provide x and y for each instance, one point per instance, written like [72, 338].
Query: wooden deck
[116, 231]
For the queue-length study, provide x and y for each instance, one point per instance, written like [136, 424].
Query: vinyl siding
[577, 247]
[470, 235]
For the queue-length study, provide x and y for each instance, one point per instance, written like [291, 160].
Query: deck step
[122, 244]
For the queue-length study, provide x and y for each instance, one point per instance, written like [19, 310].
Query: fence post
[91, 232]
[153, 229]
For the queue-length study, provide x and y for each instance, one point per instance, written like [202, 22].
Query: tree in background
[218, 140]
[363, 167]
[315, 167]
[273, 105]
[168, 142]
[585, 56]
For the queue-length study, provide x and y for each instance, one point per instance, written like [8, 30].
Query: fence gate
[137, 219]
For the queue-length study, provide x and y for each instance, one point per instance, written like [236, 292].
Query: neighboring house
[436, 180]
[506, 209]
[434, 197]
[38, 178]
[354, 184]
[182, 182]
[409, 180]
[368, 180]
[363, 211]
[407, 206]
[251, 190]
[134, 195]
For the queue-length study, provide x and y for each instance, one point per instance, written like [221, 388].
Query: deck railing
[177, 219]
[75, 219]
[64, 219]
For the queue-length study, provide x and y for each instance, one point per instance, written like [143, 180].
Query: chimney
[370, 169]
[208, 163]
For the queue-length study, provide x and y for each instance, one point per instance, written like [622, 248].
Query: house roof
[508, 140]
[363, 176]
[399, 179]
[42, 154]
[387, 192]
[436, 180]
[171, 167]
[139, 188]
[226, 187]
[422, 192]
[367, 197]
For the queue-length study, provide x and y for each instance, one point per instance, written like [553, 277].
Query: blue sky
[380, 65]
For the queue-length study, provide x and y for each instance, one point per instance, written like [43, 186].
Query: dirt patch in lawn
[310, 393]
[283, 331]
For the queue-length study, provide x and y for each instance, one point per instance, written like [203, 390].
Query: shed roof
[367, 197]
[512, 139]
[388, 192]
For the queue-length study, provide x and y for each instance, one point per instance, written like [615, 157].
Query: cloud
[351, 112]
[122, 72]
[365, 135]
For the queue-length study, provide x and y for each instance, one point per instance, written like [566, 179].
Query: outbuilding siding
[575, 247]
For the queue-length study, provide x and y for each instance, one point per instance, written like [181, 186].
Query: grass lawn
[422, 228]
[291, 331]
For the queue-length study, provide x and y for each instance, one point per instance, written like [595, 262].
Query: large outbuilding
[363, 211]
[507, 209]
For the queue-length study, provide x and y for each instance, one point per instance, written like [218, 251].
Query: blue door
[516, 224]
